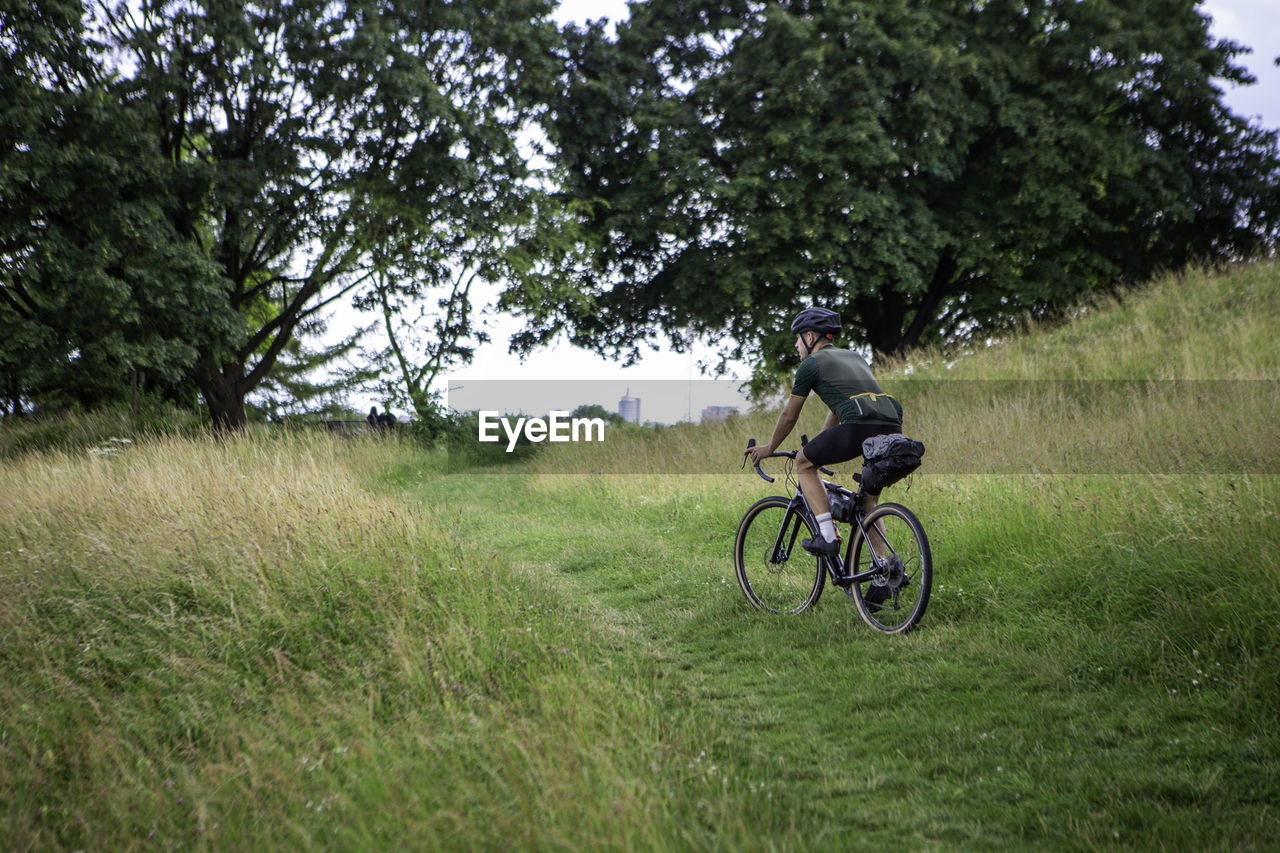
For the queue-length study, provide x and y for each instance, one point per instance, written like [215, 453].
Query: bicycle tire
[791, 584]
[908, 594]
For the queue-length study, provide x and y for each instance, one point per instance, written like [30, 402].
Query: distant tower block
[629, 407]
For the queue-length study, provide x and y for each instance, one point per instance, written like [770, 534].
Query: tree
[98, 297]
[311, 380]
[429, 315]
[420, 348]
[321, 142]
[932, 170]
[595, 410]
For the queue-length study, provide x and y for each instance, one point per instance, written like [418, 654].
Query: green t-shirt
[844, 382]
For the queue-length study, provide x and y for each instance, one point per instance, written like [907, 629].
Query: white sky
[1255, 23]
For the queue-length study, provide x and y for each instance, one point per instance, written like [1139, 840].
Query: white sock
[825, 526]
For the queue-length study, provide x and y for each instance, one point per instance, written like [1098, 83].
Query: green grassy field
[284, 641]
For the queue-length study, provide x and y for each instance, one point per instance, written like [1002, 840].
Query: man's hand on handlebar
[757, 453]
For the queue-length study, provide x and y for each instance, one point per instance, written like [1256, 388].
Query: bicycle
[887, 567]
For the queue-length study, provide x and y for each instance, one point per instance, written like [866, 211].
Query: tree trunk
[223, 391]
[229, 415]
[885, 315]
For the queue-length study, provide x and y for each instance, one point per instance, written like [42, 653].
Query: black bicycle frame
[799, 509]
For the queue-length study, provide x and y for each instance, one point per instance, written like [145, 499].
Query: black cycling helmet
[815, 319]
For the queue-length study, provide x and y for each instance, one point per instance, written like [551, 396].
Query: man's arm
[831, 421]
[786, 423]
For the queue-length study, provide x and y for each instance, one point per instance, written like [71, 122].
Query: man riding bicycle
[859, 409]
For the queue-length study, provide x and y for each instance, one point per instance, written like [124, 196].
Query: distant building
[718, 413]
[629, 407]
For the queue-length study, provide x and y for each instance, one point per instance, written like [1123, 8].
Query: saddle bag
[887, 459]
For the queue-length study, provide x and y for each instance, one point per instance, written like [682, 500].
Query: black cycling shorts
[844, 442]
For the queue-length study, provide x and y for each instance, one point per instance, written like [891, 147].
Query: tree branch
[434, 364]
[338, 294]
[405, 371]
[7, 292]
[940, 286]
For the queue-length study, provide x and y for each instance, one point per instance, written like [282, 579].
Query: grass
[297, 642]
[232, 644]
[100, 429]
[1017, 714]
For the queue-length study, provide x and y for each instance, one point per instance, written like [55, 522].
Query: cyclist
[858, 408]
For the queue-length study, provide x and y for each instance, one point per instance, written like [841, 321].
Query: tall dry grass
[236, 644]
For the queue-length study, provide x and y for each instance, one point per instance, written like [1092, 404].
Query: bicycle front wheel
[775, 573]
[895, 599]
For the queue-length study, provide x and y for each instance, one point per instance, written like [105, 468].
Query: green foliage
[182, 226]
[932, 170]
[99, 297]
[457, 434]
[421, 348]
[433, 426]
[526, 239]
[595, 410]
[310, 382]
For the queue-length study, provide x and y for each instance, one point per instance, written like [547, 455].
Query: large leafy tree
[930, 169]
[98, 297]
[322, 142]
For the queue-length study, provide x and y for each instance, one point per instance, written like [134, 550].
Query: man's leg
[834, 444]
[811, 485]
[875, 535]
[815, 494]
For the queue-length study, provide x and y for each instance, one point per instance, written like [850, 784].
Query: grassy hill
[291, 641]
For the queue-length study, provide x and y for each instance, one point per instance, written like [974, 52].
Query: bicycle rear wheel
[775, 573]
[896, 598]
